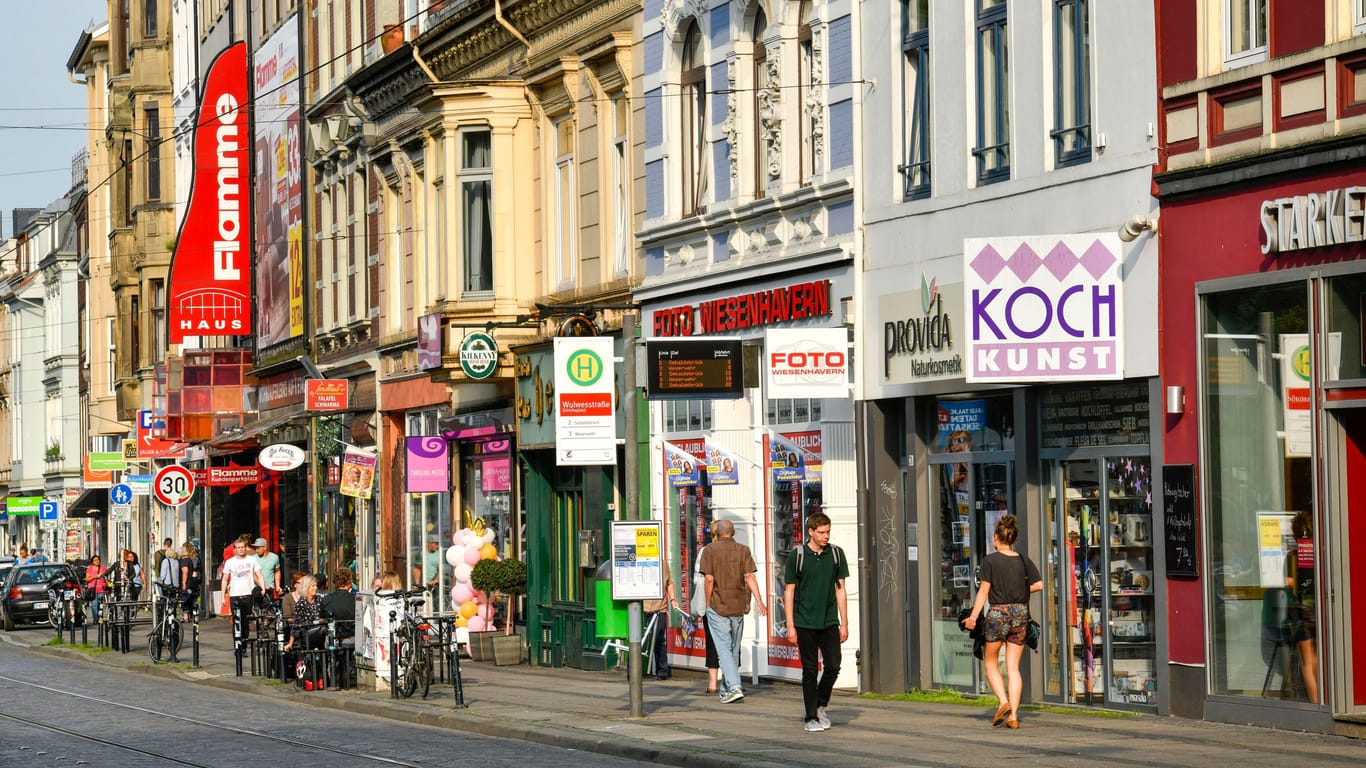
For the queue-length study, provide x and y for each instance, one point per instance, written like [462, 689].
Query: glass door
[972, 496]
[1100, 578]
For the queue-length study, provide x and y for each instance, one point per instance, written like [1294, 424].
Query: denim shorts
[1007, 623]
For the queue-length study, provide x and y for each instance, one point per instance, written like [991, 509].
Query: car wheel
[9, 622]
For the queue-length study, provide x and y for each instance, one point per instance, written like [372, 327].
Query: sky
[42, 114]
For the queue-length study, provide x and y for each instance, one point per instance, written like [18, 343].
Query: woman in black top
[1008, 578]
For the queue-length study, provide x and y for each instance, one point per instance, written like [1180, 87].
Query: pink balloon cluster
[467, 549]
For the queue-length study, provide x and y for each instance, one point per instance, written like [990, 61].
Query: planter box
[507, 650]
[480, 645]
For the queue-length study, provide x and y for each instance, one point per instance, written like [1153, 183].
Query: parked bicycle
[164, 639]
[411, 638]
[65, 604]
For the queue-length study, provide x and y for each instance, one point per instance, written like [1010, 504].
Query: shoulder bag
[1031, 629]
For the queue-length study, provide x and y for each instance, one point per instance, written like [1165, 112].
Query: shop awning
[93, 502]
[247, 436]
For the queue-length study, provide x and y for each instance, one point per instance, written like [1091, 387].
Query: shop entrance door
[1100, 604]
[972, 494]
[1344, 634]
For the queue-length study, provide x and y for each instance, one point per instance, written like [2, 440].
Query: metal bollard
[393, 656]
[458, 684]
[194, 635]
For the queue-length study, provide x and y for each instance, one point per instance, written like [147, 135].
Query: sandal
[1001, 714]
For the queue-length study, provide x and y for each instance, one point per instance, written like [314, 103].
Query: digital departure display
[700, 368]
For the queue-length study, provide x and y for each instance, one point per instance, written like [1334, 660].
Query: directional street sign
[173, 485]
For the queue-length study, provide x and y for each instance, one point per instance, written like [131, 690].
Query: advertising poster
[637, 560]
[795, 456]
[722, 465]
[1044, 308]
[680, 466]
[279, 189]
[428, 465]
[358, 473]
[209, 289]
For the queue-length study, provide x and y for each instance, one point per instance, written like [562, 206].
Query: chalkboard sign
[1178, 503]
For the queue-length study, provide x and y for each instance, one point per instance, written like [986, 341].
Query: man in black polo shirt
[818, 611]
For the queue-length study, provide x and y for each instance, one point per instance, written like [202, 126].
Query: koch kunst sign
[1045, 308]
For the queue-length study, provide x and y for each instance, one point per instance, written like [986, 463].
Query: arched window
[762, 103]
[693, 121]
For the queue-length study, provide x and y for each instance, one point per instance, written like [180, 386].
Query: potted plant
[392, 37]
[506, 577]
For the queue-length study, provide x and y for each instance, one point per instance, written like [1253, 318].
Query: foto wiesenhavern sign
[210, 280]
[585, 409]
[1043, 308]
[281, 457]
[326, 394]
[806, 362]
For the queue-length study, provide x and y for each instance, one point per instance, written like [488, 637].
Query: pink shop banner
[428, 464]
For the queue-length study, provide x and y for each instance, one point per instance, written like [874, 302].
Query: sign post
[637, 574]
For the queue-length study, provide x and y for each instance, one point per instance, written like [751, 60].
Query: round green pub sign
[478, 355]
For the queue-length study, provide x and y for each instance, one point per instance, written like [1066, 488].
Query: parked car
[23, 593]
[6, 563]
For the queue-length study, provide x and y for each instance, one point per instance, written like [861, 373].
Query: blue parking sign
[47, 511]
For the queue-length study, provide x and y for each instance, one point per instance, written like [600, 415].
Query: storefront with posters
[762, 461]
[1015, 378]
[1264, 346]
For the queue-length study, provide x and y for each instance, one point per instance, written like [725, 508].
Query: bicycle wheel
[155, 646]
[56, 612]
[406, 684]
[173, 637]
[422, 669]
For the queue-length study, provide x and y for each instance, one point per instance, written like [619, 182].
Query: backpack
[801, 557]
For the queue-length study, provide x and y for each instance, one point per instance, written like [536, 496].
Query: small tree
[500, 577]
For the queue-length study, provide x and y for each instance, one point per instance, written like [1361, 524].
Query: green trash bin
[613, 620]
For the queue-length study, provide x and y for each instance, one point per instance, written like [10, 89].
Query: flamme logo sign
[210, 285]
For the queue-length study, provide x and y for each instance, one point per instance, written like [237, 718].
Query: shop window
[1259, 495]
[793, 467]
[428, 523]
[967, 426]
[1345, 345]
[1072, 82]
[1244, 32]
[915, 98]
[993, 92]
[793, 411]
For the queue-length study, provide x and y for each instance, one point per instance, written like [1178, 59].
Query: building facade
[1261, 189]
[1003, 151]
[751, 177]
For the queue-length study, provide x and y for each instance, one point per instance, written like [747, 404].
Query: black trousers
[241, 611]
[659, 654]
[827, 643]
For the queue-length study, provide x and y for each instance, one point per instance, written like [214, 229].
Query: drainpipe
[417, 56]
[502, 21]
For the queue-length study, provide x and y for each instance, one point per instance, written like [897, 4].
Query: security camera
[1135, 226]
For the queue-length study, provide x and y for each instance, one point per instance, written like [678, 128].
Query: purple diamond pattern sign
[1044, 308]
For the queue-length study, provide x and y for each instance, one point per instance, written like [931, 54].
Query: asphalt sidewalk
[683, 726]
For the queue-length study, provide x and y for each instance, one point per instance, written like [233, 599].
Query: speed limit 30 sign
[173, 485]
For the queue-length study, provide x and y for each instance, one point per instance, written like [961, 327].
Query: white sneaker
[821, 718]
[814, 726]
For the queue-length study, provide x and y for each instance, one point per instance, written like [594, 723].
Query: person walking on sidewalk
[698, 608]
[659, 653]
[817, 608]
[1008, 578]
[270, 565]
[241, 574]
[728, 568]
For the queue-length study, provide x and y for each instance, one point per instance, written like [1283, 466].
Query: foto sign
[806, 362]
[1044, 308]
[585, 409]
[173, 485]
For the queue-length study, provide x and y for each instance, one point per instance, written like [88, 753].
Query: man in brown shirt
[729, 568]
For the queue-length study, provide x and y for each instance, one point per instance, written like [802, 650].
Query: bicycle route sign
[173, 485]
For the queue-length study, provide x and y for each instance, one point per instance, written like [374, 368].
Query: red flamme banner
[210, 282]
